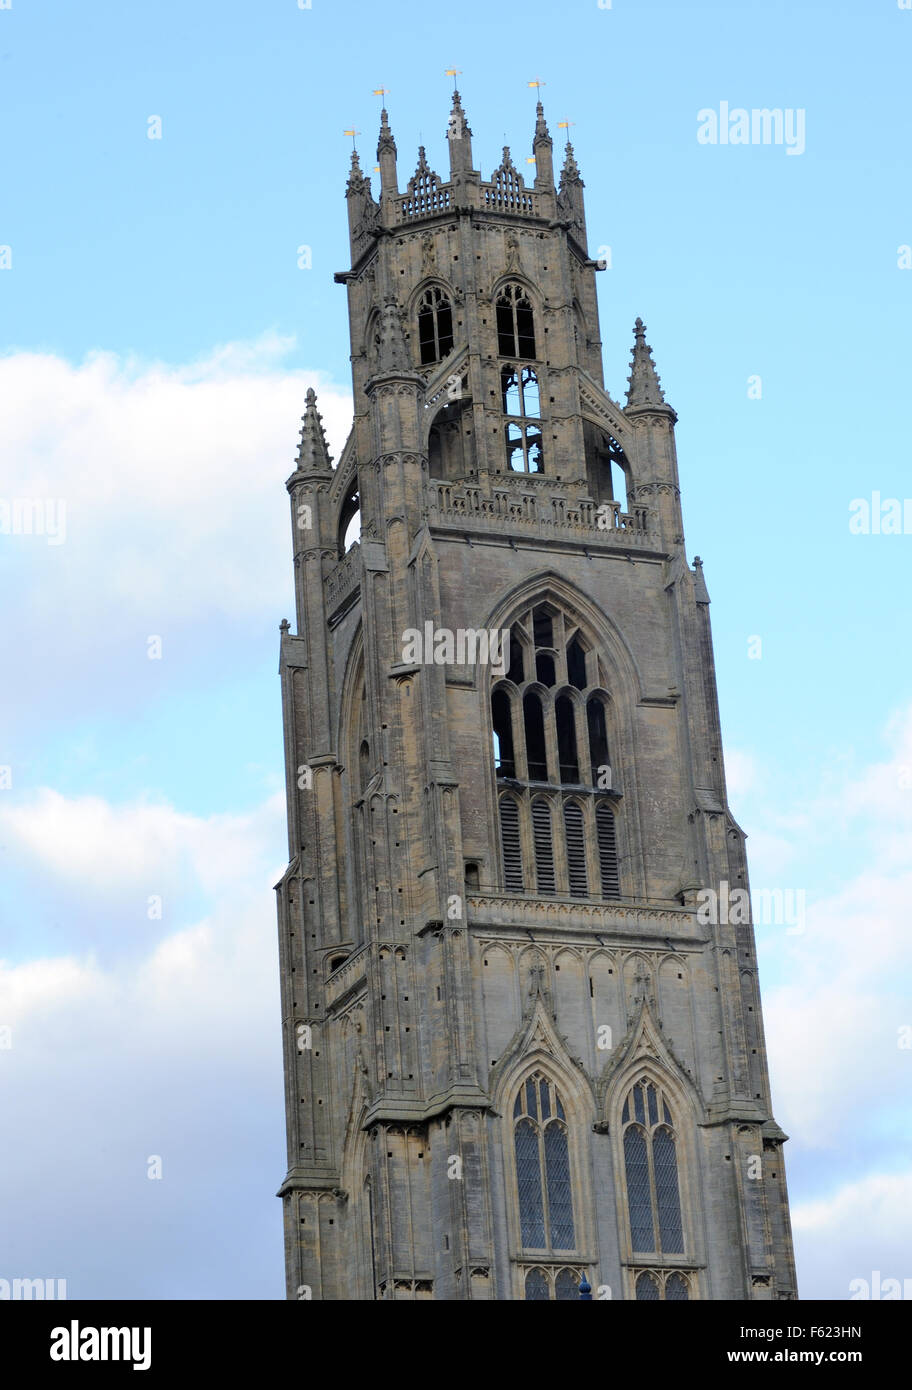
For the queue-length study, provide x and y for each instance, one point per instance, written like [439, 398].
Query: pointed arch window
[549, 730]
[521, 403]
[542, 1167]
[435, 325]
[515, 323]
[651, 1172]
[551, 1284]
[654, 1286]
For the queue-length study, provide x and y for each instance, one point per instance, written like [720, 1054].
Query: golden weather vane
[565, 125]
[352, 133]
[454, 73]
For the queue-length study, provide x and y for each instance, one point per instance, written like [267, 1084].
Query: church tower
[522, 1028]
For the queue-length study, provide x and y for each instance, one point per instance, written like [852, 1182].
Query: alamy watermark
[461, 646]
[34, 516]
[759, 126]
[778, 907]
[881, 516]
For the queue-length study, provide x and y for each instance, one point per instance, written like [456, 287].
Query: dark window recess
[542, 628]
[515, 673]
[515, 324]
[435, 326]
[576, 665]
[565, 716]
[504, 761]
[544, 669]
[598, 738]
[534, 721]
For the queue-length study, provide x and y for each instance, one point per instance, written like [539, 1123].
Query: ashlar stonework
[516, 1057]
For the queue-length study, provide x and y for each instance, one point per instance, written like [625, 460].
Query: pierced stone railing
[342, 581]
[514, 502]
[430, 197]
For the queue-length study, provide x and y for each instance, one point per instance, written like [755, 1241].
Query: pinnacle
[570, 171]
[541, 125]
[385, 141]
[313, 454]
[356, 179]
[644, 385]
[458, 126]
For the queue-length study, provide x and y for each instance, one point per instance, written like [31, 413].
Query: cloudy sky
[158, 339]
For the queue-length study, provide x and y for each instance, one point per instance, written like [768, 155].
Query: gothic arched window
[651, 1171]
[435, 325]
[546, 1285]
[515, 324]
[542, 1168]
[655, 1286]
[550, 740]
[523, 431]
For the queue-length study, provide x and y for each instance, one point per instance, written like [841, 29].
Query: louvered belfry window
[651, 1173]
[607, 850]
[544, 845]
[550, 738]
[509, 840]
[542, 1167]
[576, 849]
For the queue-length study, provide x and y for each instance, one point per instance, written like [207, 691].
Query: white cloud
[862, 1231]
[174, 1051]
[89, 840]
[173, 479]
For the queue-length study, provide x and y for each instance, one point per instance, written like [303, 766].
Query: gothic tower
[523, 1042]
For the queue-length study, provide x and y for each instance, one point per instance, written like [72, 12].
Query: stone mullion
[593, 865]
[552, 753]
[520, 758]
[526, 842]
[582, 737]
[559, 846]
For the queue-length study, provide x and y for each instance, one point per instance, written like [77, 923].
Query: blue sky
[158, 339]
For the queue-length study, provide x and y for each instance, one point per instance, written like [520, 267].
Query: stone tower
[523, 1041]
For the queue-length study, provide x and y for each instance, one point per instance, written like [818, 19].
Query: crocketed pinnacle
[313, 455]
[356, 179]
[570, 172]
[644, 386]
